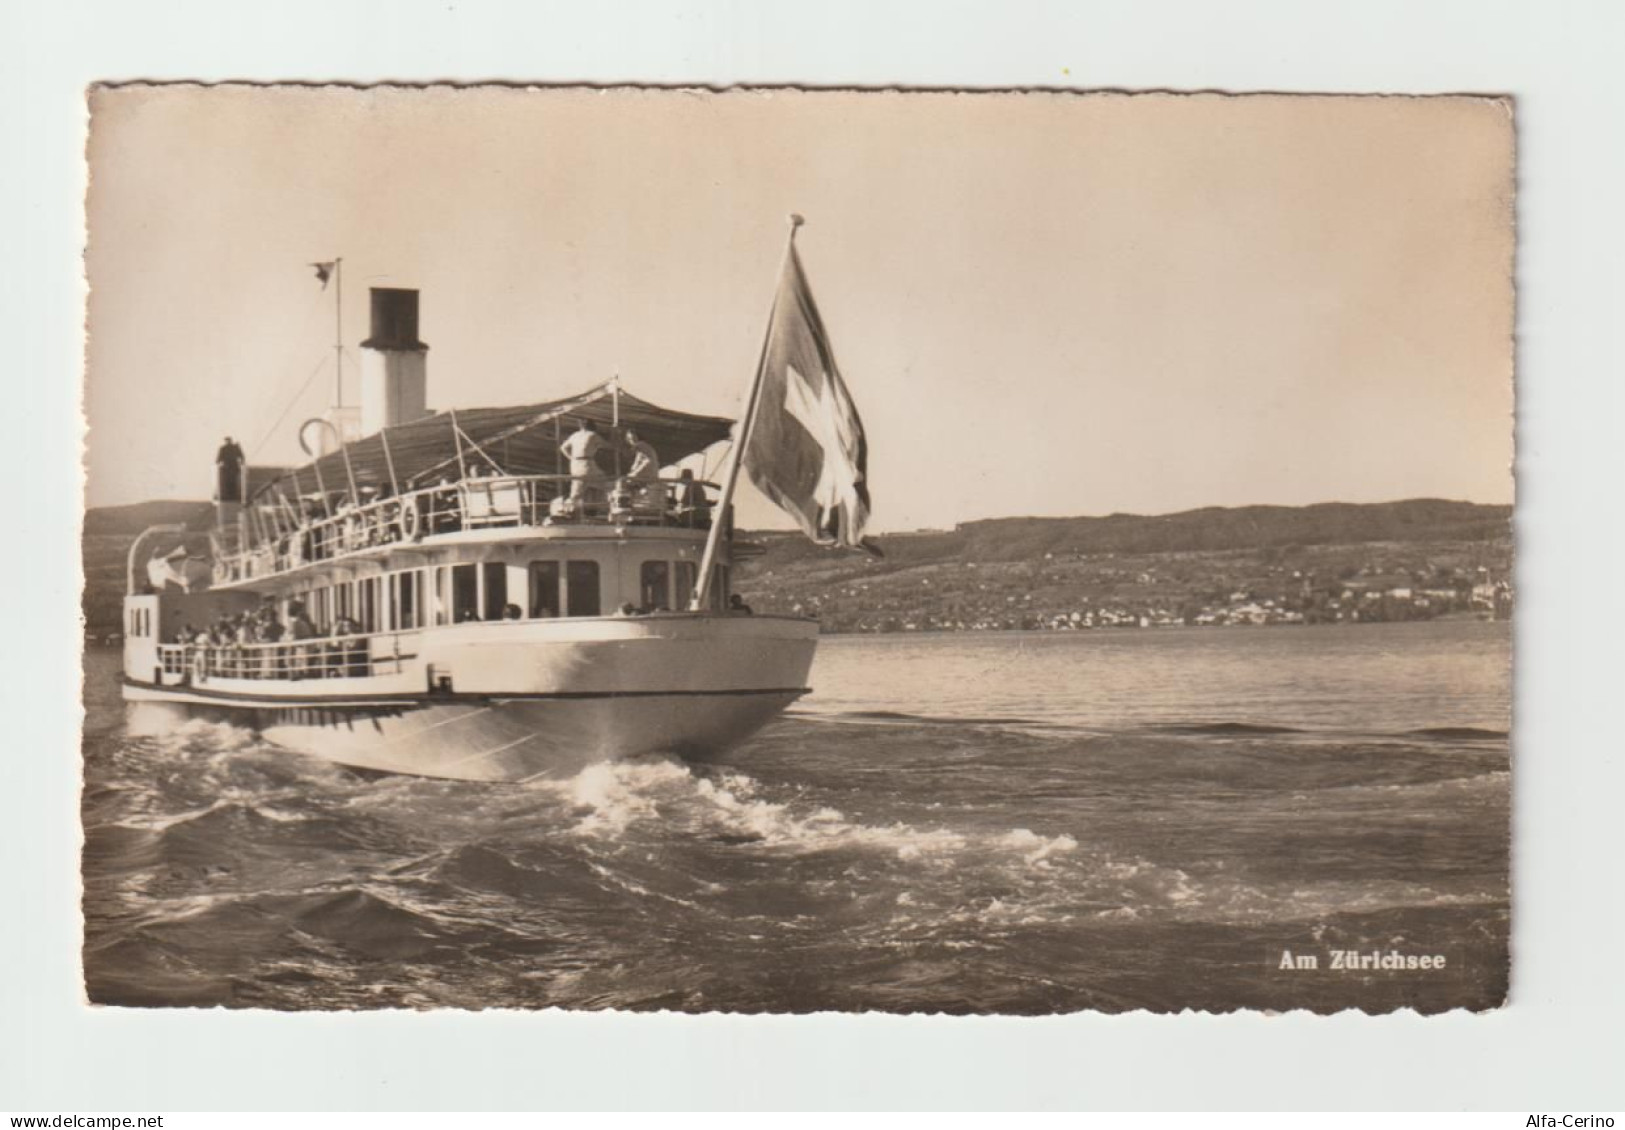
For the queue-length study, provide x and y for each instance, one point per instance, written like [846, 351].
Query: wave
[904, 718]
[721, 807]
[1459, 733]
[1223, 729]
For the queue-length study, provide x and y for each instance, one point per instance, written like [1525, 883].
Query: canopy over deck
[521, 440]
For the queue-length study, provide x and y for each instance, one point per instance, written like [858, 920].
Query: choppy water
[963, 823]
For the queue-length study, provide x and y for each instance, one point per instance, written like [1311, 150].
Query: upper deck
[463, 475]
[278, 541]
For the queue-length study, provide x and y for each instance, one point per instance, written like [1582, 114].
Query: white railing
[472, 504]
[335, 657]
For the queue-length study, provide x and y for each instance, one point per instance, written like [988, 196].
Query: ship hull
[516, 739]
[690, 687]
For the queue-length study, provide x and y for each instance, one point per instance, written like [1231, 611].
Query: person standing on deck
[580, 449]
[229, 477]
[301, 627]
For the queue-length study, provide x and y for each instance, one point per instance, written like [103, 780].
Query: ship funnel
[394, 375]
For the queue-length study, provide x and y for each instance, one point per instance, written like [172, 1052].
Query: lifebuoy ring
[332, 430]
[409, 520]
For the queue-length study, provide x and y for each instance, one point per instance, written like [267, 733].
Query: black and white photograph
[776, 550]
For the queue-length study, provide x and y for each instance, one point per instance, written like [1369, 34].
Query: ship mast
[338, 332]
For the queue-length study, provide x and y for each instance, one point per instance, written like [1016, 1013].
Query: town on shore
[1334, 563]
[1265, 566]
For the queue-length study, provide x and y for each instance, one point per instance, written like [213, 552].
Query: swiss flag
[806, 450]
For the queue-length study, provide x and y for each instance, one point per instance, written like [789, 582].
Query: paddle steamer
[442, 593]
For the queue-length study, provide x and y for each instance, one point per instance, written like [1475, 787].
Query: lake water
[1024, 823]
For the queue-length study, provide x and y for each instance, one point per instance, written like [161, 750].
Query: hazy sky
[1042, 303]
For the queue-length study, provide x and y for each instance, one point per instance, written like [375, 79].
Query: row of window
[453, 594]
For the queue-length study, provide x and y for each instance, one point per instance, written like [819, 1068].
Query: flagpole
[719, 516]
[338, 332]
[615, 420]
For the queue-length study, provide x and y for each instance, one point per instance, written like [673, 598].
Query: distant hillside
[1256, 564]
[792, 571]
[1206, 530]
[128, 521]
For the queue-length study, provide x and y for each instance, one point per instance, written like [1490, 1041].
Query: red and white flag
[806, 450]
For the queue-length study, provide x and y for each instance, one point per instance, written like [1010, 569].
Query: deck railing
[471, 504]
[350, 656]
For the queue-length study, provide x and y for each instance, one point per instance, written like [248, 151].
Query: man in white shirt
[580, 448]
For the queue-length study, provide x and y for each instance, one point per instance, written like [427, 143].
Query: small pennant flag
[324, 272]
[806, 449]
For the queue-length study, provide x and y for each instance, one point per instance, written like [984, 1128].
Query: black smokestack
[394, 320]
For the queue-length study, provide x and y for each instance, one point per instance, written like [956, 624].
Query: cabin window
[544, 588]
[581, 588]
[442, 595]
[687, 572]
[409, 599]
[654, 589]
[496, 589]
[369, 605]
[465, 593]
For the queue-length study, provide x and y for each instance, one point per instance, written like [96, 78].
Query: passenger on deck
[510, 612]
[692, 508]
[350, 657]
[645, 469]
[244, 657]
[301, 627]
[344, 534]
[446, 513]
[230, 459]
[580, 448]
[309, 542]
[737, 605]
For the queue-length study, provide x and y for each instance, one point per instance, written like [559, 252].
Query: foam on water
[894, 862]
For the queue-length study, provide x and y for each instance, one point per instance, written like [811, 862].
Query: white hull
[528, 701]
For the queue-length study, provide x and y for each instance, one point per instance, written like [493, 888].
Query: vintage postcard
[777, 550]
